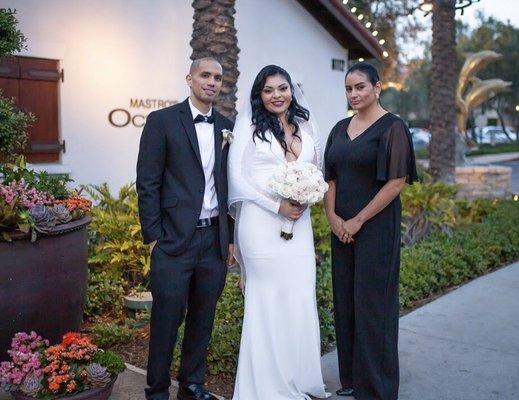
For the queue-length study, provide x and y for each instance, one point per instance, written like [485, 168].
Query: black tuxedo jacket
[171, 182]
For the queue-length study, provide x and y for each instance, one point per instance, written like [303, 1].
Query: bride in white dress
[280, 344]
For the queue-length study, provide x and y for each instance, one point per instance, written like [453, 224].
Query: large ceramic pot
[91, 394]
[43, 284]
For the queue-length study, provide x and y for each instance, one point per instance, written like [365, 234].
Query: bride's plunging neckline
[283, 151]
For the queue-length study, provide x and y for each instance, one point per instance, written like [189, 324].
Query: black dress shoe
[345, 392]
[194, 392]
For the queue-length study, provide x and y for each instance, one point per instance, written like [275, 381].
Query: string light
[368, 25]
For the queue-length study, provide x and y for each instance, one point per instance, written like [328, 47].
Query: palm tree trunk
[214, 36]
[443, 92]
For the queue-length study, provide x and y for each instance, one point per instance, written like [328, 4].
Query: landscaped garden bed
[448, 242]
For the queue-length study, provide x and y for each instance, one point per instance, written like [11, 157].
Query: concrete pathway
[514, 181]
[494, 158]
[463, 346]
[129, 386]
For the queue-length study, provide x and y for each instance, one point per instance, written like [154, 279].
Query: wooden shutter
[35, 84]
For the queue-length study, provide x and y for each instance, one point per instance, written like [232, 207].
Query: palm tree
[443, 91]
[214, 35]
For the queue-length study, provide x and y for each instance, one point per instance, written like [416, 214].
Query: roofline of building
[345, 27]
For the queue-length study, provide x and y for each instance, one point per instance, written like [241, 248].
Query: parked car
[494, 134]
[421, 137]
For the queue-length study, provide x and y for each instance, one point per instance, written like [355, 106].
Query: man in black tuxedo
[182, 188]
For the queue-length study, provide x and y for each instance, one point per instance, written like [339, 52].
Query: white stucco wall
[114, 50]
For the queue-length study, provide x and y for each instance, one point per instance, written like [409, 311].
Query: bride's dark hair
[263, 119]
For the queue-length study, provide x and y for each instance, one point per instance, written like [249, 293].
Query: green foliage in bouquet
[115, 235]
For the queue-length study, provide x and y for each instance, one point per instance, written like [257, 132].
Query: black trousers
[365, 289]
[194, 281]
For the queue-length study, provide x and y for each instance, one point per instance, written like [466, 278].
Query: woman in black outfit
[368, 159]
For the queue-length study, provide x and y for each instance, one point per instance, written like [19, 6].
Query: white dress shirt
[205, 136]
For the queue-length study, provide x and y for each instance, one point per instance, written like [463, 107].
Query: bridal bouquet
[300, 182]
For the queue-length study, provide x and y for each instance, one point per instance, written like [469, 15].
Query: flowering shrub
[74, 365]
[33, 202]
[25, 353]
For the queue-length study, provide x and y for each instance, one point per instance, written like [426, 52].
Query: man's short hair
[196, 63]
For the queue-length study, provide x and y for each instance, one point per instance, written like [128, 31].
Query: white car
[421, 137]
[494, 134]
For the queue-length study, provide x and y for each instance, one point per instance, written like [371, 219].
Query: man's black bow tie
[204, 118]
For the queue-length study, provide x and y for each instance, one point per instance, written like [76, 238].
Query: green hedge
[447, 260]
[434, 264]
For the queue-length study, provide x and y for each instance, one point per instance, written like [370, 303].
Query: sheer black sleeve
[329, 169]
[396, 154]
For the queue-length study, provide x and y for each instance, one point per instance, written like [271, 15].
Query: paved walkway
[462, 346]
[495, 158]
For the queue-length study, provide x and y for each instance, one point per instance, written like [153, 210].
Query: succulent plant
[61, 213]
[97, 375]
[31, 385]
[42, 216]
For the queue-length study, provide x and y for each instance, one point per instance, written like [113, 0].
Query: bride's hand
[291, 211]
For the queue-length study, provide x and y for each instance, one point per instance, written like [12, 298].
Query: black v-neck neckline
[365, 130]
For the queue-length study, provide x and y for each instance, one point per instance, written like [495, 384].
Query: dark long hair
[263, 119]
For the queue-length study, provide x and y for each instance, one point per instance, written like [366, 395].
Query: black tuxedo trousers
[194, 281]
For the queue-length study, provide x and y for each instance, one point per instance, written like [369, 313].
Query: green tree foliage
[13, 123]
[11, 39]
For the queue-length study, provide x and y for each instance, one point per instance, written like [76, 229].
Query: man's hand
[231, 261]
[152, 245]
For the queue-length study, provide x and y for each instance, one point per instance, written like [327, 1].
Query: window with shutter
[34, 83]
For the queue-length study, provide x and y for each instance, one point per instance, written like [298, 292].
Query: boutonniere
[227, 137]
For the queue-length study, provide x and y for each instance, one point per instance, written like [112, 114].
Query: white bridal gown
[280, 345]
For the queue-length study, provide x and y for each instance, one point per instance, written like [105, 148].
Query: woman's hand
[351, 227]
[290, 210]
[337, 225]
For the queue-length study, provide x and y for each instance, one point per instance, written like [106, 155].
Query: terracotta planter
[43, 284]
[91, 394]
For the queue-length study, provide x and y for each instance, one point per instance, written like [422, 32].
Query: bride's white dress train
[280, 345]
